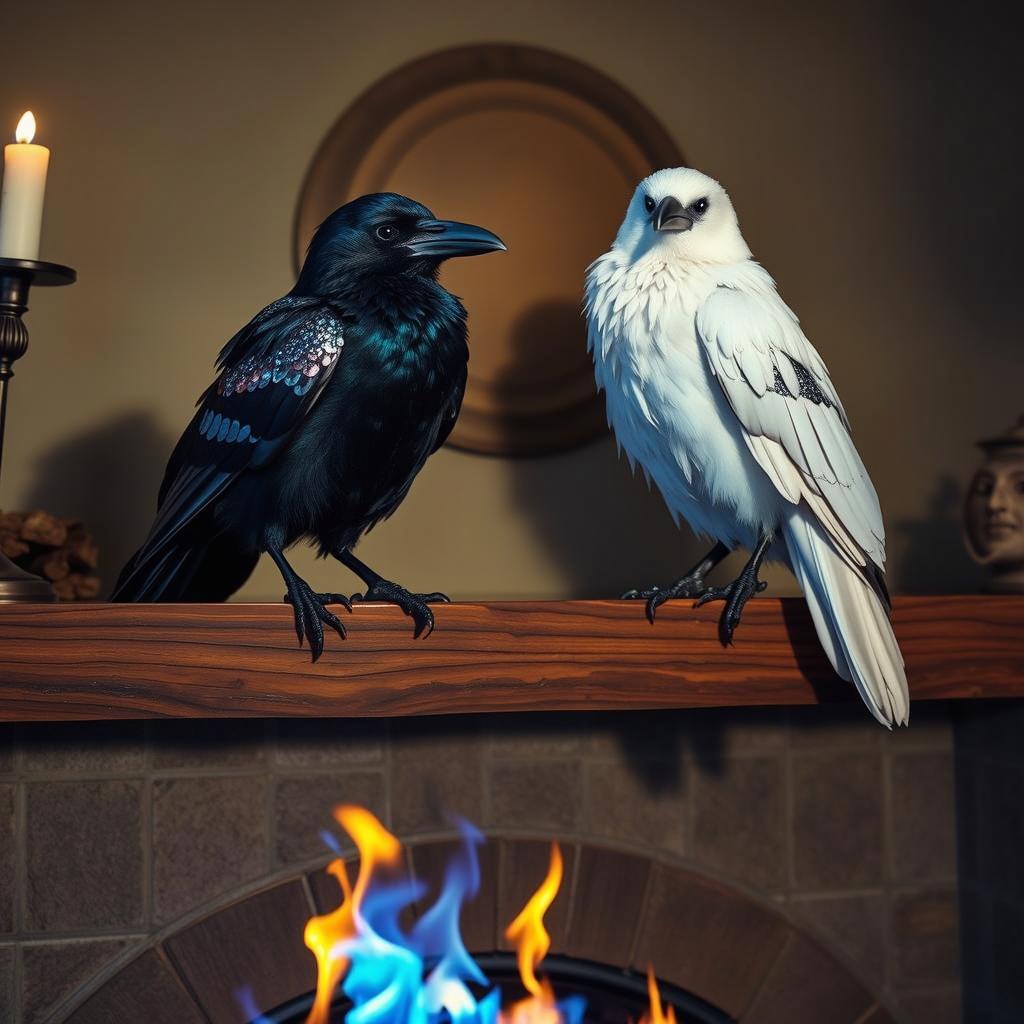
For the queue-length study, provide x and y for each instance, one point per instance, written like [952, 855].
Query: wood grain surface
[105, 661]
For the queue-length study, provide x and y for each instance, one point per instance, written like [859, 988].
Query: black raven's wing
[451, 412]
[272, 372]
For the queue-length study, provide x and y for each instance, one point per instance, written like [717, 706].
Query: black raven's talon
[416, 606]
[327, 598]
[298, 610]
[316, 639]
[423, 621]
[311, 615]
[332, 620]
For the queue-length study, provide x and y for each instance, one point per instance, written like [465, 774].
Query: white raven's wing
[792, 419]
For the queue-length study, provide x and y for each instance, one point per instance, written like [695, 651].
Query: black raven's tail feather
[183, 570]
[162, 575]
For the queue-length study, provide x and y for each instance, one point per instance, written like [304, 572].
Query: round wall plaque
[544, 151]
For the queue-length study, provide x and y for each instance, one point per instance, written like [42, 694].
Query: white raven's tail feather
[851, 620]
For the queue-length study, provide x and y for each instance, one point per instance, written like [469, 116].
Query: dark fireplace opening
[612, 995]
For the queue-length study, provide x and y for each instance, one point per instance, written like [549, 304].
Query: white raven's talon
[735, 595]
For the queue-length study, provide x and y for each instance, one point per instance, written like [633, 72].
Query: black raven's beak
[441, 239]
[671, 215]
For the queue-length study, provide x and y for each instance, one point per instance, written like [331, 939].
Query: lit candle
[21, 204]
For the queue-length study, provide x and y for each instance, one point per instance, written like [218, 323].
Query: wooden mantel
[103, 661]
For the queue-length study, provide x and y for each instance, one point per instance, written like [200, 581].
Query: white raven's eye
[700, 206]
[387, 232]
[649, 204]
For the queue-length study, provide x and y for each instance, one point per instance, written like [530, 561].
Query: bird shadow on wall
[108, 477]
[933, 559]
[606, 531]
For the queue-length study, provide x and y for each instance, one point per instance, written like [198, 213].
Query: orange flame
[325, 934]
[537, 1009]
[656, 1015]
[532, 941]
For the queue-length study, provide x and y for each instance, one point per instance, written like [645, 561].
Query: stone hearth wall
[112, 834]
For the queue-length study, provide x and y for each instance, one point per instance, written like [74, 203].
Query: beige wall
[868, 153]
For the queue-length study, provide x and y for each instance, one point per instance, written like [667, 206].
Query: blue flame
[572, 1009]
[425, 975]
[331, 843]
[246, 1000]
[386, 978]
[436, 934]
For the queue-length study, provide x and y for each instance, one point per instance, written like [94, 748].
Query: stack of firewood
[58, 549]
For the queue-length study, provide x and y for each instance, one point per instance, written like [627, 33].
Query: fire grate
[613, 996]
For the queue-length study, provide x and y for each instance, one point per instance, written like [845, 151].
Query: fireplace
[725, 954]
[771, 864]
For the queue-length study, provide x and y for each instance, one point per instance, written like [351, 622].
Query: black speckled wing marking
[272, 372]
[808, 386]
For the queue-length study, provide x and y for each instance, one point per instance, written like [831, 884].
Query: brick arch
[617, 907]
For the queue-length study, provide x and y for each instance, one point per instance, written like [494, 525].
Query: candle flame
[26, 130]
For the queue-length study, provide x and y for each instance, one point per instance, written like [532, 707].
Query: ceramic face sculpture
[994, 514]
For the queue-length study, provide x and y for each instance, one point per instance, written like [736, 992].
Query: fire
[527, 931]
[532, 941]
[26, 129]
[425, 975]
[655, 1014]
[326, 936]
[540, 1008]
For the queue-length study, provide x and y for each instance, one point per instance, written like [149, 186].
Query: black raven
[326, 406]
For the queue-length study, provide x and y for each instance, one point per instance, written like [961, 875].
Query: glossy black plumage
[327, 404]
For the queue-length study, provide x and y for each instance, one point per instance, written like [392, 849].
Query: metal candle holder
[16, 278]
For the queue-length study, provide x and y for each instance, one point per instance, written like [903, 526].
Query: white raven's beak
[671, 215]
[444, 238]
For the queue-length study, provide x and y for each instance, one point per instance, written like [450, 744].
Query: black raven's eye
[387, 232]
[700, 206]
[649, 204]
